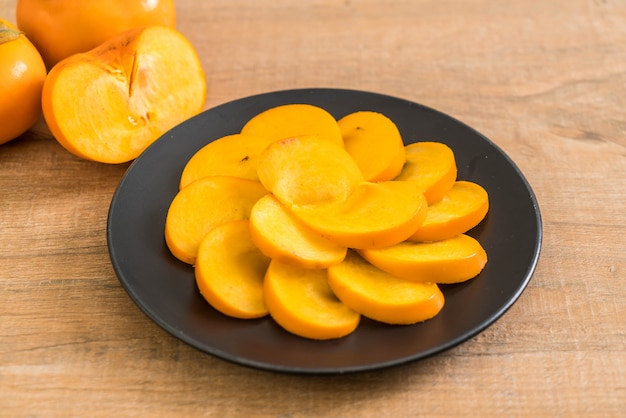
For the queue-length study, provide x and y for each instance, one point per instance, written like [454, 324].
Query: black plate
[165, 289]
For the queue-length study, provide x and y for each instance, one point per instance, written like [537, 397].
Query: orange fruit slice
[373, 215]
[307, 170]
[291, 120]
[233, 155]
[229, 271]
[450, 261]
[111, 103]
[380, 296]
[301, 301]
[375, 143]
[203, 205]
[281, 236]
[461, 209]
[432, 165]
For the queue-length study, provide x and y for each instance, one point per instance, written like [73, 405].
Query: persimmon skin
[22, 74]
[61, 28]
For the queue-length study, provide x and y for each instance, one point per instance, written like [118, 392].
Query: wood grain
[545, 80]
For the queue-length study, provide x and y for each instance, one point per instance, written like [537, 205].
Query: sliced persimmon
[232, 155]
[307, 170]
[301, 301]
[203, 205]
[432, 165]
[381, 296]
[230, 269]
[297, 119]
[281, 236]
[449, 261]
[110, 103]
[375, 143]
[373, 215]
[461, 209]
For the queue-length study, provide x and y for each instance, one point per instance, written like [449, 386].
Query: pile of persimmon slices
[317, 222]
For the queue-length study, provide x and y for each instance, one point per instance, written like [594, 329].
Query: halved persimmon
[381, 296]
[375, 143]
[230, 269]
[291, 120]
[432, 165]
[110, 103]
[301, 301]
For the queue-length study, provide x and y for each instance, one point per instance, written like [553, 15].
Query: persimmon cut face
[109, 104]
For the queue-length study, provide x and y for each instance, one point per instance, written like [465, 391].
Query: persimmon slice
[230, 269]
[301, 301]
[232, 155]
[110, 103]
[375, 143]
[432, 165]
[374, 215]
[203, 205]
[281, 236]
[290, 120]
[449, 261]
[381, 296]
[461, 209]
[307, 170]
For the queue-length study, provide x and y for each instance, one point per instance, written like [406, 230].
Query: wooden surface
[544, 79]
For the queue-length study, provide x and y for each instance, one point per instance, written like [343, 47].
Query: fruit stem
[8, 34]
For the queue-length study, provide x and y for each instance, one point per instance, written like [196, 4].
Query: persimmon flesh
[111, 103]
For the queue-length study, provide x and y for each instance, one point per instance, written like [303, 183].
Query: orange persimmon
[461, 209]
[203, 205]
[286, 121]
[111, 103]
[432, 165]
[381, 296]
[449, 261]
[230, 269]
[22, 74]
[281, 236]
[375, 143]
[301, 301]
[61, 28]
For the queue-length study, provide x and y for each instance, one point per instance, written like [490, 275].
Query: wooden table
[544, 79]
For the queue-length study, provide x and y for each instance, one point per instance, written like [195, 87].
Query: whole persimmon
[60, 28]
[22, 74]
